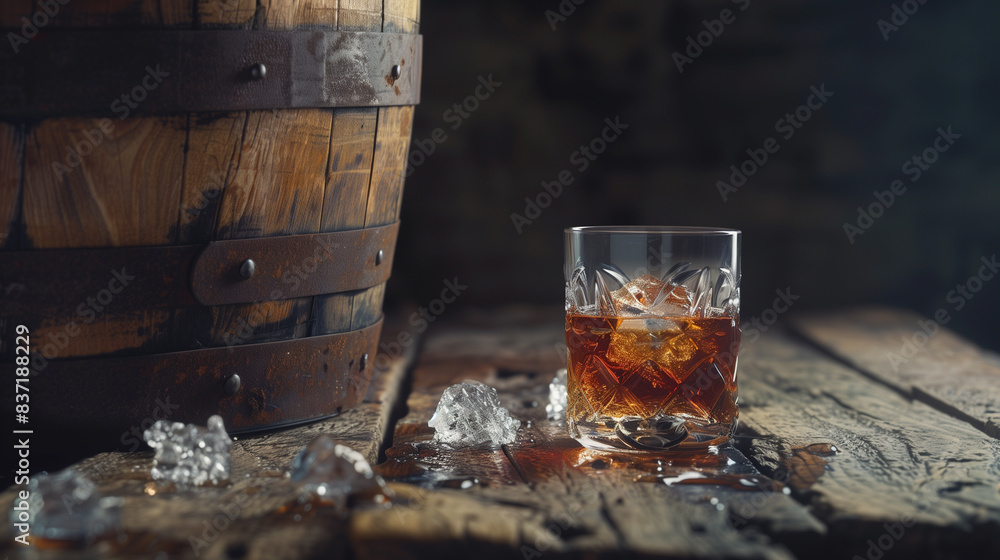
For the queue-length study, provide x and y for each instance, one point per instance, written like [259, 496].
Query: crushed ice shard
[68, 506]
[470, 413]
[333, 472]
[188, 455]
[556, 409]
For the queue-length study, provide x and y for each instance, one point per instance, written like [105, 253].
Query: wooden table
[859, 438]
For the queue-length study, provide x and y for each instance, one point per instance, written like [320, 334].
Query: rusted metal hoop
[120, 73]
[278, 383]
[168, 277]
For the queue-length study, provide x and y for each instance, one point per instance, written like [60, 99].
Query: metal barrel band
[271, 268]
[120, 73]
[53, 283]
[253, 386]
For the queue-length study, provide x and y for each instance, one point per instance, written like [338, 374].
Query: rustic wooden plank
[899, 460]
[345, 140]
[392, 143]
[332, 313]
[915, 355]
[551, 495]
[282, 14]
[169, 13]
[275, 189]
[367, 306]
[259, 192]
[107, 334]
[123, 190]
[213, 145]
[385, 193]
[104, 182]
[277, 186]
[11, 151]
[350, 168]
[360, 15]
[401, 16]
[228, 13]
[352, 144]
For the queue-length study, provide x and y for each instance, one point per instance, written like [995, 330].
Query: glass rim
[659, 230]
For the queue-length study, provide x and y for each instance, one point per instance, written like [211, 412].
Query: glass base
[664, 433]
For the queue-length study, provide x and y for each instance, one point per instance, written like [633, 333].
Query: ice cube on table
[470, 413]
[68, 506]
[556, 409]
[188, 455]
[333, 471]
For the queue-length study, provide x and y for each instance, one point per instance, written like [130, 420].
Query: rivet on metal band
[233, 385]
[273, 69]
[258, 71]
[247, 269]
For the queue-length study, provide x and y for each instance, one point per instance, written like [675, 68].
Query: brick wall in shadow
[544, 92]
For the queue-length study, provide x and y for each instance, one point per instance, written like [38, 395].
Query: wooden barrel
[192, 245]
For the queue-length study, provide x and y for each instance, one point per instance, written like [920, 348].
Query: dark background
[685, 128]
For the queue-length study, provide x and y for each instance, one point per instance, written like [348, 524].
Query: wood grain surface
[195, 178]
[828, 463]
[898, 460]
[544, 493]
[918, 356]
[158, 521]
